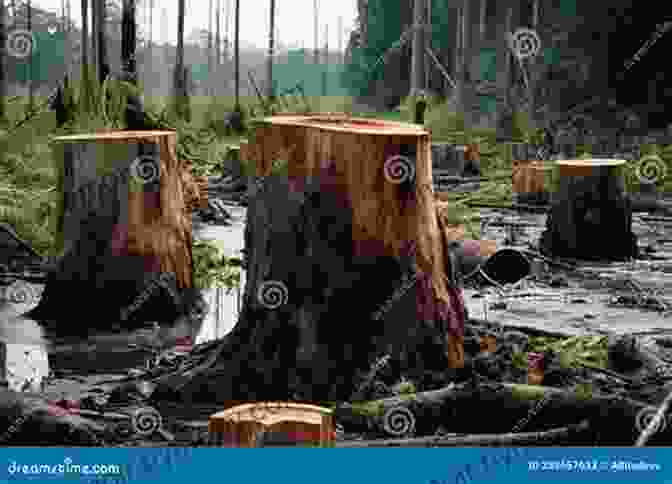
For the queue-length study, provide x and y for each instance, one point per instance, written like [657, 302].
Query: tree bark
[3, 81]
[270, 92]
[589, 206]
[85, 94]
[120, 237]
[326, 246]
[103, 64]
[128, 41]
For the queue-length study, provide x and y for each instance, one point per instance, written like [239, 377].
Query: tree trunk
[208, 90]
[236, 49]
[180, 95]
[122, 228]
[3, 82]
[85, 93]
[418, 53]
[31, 87]
[326, 246]
[103, 64]
[589, 207]
[218, 47]
[269, 61]
[128, 41]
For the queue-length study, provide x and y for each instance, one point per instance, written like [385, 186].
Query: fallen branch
[558, 435]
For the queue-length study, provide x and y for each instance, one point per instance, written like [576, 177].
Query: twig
[510, 439]
[656, 423]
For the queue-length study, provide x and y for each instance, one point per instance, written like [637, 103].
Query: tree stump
[591, 214]
[249, 424]
[331, 230]
[122, 225]
[530, 180]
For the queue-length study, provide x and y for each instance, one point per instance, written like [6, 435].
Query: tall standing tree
[3, 82]
[418, 52]
[31, 87]
[210, 45]
[181, 100]
[218, 44]
[270, 92]
[236, 54]
[103, 64]
[128, 41]
[85, 94]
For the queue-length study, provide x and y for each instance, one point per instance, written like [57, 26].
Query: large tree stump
[328, 239]
[122, 225]
[591, 215]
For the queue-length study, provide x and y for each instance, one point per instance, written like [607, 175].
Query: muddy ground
[594, 299]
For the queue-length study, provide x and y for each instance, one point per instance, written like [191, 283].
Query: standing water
[224, 306]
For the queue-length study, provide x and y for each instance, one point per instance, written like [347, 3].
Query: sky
[294, 19]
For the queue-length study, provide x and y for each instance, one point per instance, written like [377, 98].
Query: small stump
[591, 215]
[272, 423]
[529, 182]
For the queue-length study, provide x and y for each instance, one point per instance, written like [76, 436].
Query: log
[589, 206]
[499, 407]
[121, 225]
[548, 437]
[30, 420]
[323, 228]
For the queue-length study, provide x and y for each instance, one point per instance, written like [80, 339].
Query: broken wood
[589, 206]
[549, 437]
[451, 406]
[121, 224]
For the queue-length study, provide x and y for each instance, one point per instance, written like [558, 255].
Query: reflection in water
[24, 363]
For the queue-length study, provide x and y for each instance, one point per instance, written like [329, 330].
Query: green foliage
[446, 123]
[590, 350]
[213, 269]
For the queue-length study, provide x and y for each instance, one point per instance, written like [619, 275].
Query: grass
[28, 177]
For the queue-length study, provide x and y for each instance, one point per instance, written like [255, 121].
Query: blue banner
[371, 466]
